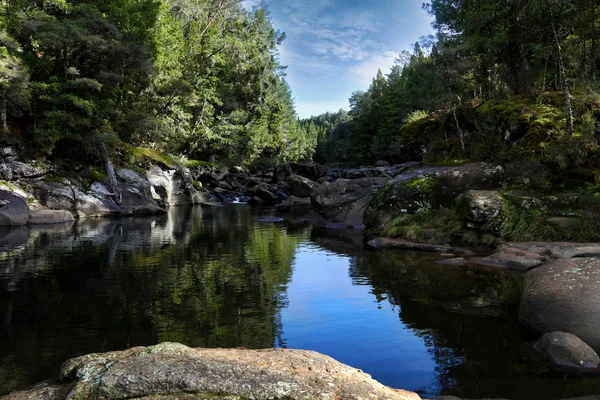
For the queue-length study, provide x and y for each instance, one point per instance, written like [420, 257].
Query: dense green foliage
[332, 132]
[488, 86]
[199, 78]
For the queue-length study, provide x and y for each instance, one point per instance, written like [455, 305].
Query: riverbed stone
[262, 194]
[300, 186]
[14, 210]
[401, 244]
[174, 371]
[175, 187]
[295, 203]
[312, 171]
[567, 350]
[564, 295]
[49, 217]
[529, 255]
[339, 196]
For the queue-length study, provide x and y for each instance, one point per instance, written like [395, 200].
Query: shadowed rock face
[566, 350]
[430, 187]
[174, 371]
[13, 209]
[564, 295]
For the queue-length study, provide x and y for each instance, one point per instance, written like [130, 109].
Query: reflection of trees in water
[468, 321]
[200, 277]
[467, 318]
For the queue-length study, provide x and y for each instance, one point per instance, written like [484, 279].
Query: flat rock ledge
[530, 255]
[401, 244]
[174, 371]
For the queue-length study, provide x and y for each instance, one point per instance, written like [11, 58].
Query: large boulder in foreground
[428, 187]
[565, 350]
[14, 210]
[564, 295]
[174, 371]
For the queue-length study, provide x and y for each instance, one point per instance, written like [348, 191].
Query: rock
[54, 195]
[14, 210]
[48, 217]
[358, 173]
[281, 196]
[324, 179]
[428, 187]
[22, 170]
[312, 171]
[512, 257]
[49, 390]
[281, 173]
[262, 195]
[528, 255]
[338, 197]
[566, 350]
[301, 187]
[295, 203]
[224, 185]
[174, 371]
[564, 295]
[480, 207]
[88, 205]
[8, 154]
[175, 187]
[382, 163]
[400, 244]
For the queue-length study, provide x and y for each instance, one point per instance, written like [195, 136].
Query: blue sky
[335, 47]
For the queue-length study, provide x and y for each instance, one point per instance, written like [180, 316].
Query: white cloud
[363, 73]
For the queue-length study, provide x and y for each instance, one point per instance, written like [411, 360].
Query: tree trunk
[562, 73]
[111, 175]
[460, 132]
[3, 116]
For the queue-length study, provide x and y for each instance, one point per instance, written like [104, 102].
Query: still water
[220, 278]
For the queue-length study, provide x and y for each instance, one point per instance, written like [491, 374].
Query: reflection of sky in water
[329, 314]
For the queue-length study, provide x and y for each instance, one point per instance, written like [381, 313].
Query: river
[221, 278]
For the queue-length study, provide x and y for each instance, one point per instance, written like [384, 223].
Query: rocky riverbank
[172, 371]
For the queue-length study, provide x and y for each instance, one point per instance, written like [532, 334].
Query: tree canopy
[200, 78]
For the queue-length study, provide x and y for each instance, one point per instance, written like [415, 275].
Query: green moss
[95, 175]
[197, 164]
[145, 155]
[8, 185]
[426, 184]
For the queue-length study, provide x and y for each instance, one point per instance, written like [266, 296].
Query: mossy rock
[427, 188]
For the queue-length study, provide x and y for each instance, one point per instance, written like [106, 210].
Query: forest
[196, 78]
[201, 80]
[500, 81]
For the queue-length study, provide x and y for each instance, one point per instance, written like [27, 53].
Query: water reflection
[220, 278]
[213, 279]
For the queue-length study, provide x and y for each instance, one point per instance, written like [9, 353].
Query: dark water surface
[220, 278]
